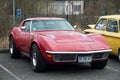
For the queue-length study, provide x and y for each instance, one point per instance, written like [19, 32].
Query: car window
[112, 26]
[27, 26]
[50, 25]
[101, 24]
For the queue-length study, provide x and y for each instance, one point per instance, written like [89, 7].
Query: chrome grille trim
[63, 56]
[74, 57]
[88, 52]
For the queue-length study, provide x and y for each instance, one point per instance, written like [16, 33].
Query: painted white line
[17, 78]
[116, 70]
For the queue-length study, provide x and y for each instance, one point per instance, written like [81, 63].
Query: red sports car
[49, 40]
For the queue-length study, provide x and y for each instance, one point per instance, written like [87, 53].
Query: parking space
[20, 69]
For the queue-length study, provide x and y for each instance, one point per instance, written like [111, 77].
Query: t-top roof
[45, 18]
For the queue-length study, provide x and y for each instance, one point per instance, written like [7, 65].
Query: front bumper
[74, 56]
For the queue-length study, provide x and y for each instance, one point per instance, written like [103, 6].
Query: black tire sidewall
[15, 53]
[41, 63]
[99, 65]
[119, 55]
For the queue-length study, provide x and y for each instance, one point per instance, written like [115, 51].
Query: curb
[4, 50]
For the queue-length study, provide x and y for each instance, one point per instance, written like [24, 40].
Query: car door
[25, 36]
[112, 35]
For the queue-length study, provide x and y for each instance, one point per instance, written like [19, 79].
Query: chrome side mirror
[22, 28]
[74, 26]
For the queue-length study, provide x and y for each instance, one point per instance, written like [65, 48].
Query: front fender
[100, 39]
[15, 33]
[43, 45]
[12, 33]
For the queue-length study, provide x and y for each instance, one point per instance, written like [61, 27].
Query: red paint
[52, 40]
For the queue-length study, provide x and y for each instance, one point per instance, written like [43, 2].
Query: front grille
[65, 58]
[100, 55]
[97, 55]
[73, 57]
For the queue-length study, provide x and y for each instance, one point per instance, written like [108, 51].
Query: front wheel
[99, 65]
[37, 61]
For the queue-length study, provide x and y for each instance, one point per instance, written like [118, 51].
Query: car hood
[62, 41]
[67, 36]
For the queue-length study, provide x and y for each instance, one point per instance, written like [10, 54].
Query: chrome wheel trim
[34, 60]
[11, 48]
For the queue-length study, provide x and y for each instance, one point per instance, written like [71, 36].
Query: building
[67, 7]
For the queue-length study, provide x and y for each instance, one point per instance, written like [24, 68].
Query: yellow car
[109, 27]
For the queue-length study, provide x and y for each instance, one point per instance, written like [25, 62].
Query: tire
[119, 55]
[37, 61]
[99, 65]
[14, 53]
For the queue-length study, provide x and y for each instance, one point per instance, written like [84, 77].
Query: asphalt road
[20, 69]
